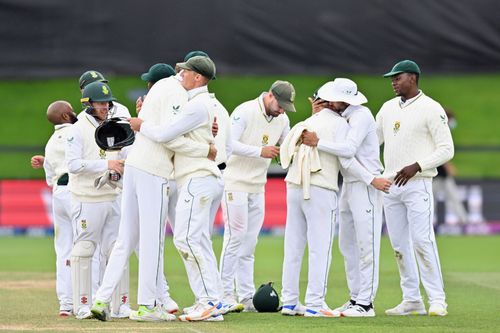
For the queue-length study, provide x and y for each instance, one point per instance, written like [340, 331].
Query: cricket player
[117, 110]
[417, 139]
[95, 212]
[200, 188]
[145, 202]
[312, 207]
[257, 126]
[360, 205]
[62, 116]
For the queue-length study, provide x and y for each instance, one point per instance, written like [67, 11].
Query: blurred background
[46, 45]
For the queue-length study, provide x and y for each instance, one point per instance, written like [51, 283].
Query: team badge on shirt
[84, 224]
[230, 196]
[102, 153]
[397, 125]
[265, 139]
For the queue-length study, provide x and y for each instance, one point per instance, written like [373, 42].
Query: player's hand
[317, 105]
[215, 127]
[37, 161]
[135, 123]
[269, 151]
[138, 104]
[116, 165]
[406, 173]
[212, 152]
[381, 184]
[309, 138]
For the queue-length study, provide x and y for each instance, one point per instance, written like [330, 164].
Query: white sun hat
[341, 90]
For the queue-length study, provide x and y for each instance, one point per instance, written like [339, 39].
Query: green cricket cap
[284, 92]
[195, 53]
[89, 77]
[201, 65]
[158, 72]
[405, 66]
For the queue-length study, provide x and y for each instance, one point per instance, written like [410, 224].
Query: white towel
[305, 158]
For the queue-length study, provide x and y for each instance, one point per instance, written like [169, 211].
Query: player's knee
[83, 249]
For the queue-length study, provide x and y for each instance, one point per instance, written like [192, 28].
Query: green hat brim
[146, 77]
[287, 106]
[393, 73]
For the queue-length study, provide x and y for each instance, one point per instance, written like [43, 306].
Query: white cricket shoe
[154, 314]
[358, 311]
[202, 312]
[65, 312]
[407, 308]
[189, 309]
[293, 310]
[83, 313]
[124, 312]
[248, 305]
[323, 312]
[438, 309]
[215, 318]
[345, 306]
[231, 307]
[170, 306]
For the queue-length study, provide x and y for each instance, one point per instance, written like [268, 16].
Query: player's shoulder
[431, 104]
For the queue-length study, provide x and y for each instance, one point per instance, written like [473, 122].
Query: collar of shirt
[410, 100]
[196, 91]
[262, 107]
[347, 113]
[57, 127]
[331, 111]
[92, 120]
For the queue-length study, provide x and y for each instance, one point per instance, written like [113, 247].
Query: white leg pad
[81, 272]
[121, 294]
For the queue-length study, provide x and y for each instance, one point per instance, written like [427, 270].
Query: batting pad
[81, 273]
[121, 294]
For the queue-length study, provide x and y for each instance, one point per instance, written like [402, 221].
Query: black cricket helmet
[114, 134]
[266, 299]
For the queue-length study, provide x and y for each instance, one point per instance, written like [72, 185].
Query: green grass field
[473, 98]
[470, 265]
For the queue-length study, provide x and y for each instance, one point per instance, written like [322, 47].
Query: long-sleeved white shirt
[414, 131]
[54, 163]
[239, 124]
[189, 119]
[361, 142]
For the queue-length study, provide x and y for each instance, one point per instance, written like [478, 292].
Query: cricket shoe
[83, 313]
[438, 309]
[407, 308]
[345, 306]
[100, 310]
[65, 313]
[324, 312]
[215, 318]
[124, 312]
[358, 311]
[293, 310]
[248, 305]
[190, 309]
[155, 314]
[170, 306]
[203, 312]
[231, 307]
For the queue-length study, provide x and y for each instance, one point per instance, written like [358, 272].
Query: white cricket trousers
[96, 222]
[63, 243]
[360, 227]
[310, 222]
[409, 212]
[144, 211]
[243, 215]
[198, 200]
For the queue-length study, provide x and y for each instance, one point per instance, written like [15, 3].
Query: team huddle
[117, 180]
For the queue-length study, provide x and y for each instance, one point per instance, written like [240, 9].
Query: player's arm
[190, 118]
[74, 155]
[49, 172]
[380, 127]
[437, 123]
